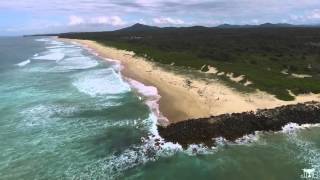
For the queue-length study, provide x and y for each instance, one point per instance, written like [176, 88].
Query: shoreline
[181, 100]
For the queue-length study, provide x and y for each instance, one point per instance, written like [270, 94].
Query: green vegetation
[261, 54]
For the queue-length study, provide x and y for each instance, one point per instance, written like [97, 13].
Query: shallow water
[67, 114]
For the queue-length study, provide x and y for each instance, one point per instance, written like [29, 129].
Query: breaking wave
[307, 151]
[100, 82]
[23, 63]
[77, 63]
[51, 56]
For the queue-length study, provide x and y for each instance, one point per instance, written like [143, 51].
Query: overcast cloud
[35, 16]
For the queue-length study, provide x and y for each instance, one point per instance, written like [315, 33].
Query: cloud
[75, 20]
[99, 20]
[112, 20]
[142, 21]
[315, 14]
[229, 8]
[167, 21]
[311, 17]
[160, 12]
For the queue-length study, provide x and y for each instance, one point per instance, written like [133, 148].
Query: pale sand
[235, 79]
[301, 75]
[181, 102]
[247, 83]
[285, 72]
[212, 70]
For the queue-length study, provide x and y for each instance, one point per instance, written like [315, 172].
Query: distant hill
[32, 35]
[147, 28]
[277, 25]
[138, 27]
[265, 25]
[141, 27]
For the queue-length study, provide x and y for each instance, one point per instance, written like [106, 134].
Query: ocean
[66, 113]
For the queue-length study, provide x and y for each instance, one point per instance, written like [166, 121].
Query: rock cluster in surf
[236, 125]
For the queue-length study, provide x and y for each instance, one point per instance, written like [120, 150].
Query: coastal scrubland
[283, 61]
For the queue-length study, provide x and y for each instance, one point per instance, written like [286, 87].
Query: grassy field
[261, 54]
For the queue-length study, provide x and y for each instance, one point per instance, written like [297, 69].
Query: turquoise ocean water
[67, 114]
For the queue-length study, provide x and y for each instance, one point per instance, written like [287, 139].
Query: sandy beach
[181, 100]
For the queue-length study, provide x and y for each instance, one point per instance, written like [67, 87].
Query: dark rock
[236, 125]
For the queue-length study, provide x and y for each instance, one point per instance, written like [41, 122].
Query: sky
[19, 17]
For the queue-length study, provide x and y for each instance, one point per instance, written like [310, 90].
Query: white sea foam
[60, 46]
[57, 50]
[57, 53]
[249, 138]
[23, 63]
[113, 166]
[37, 115]
[117, 67]
[100, 82]
[294, 127]
[115, 64]
[51, 57]
[290, 128]
[42, 115]
[77, 63]
[57, 43]
[43, 40]
[148, 91]
[307, 151]
[112, 60]
[196, 149]
[152, 98]
[63, 49]
[55, 47]
[70, 52]
[74, 52]
[244, 140]
[92, 51]
[52, 54]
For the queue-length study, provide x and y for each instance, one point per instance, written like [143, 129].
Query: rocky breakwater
[237, 125]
